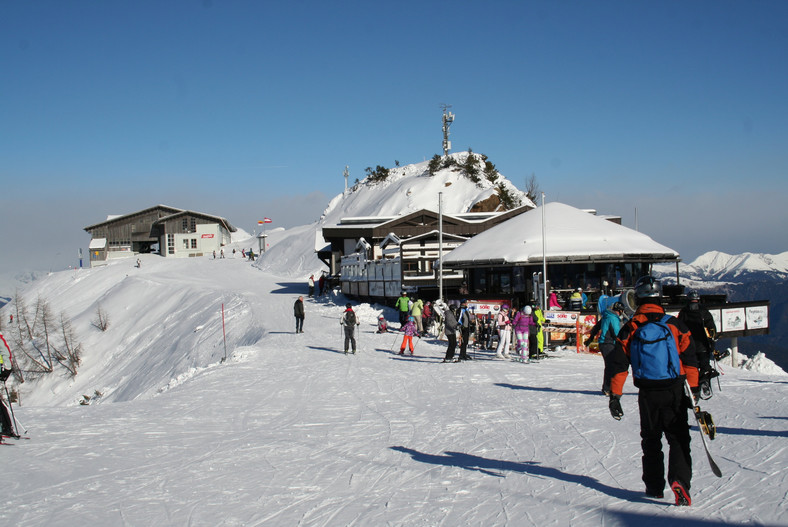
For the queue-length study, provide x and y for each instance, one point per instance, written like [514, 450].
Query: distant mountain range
[744, 277]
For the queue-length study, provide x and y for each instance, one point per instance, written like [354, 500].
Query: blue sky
[676, 110]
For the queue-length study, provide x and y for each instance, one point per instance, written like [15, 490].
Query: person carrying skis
[298, 312]
[703, 329]
[450, 330]
[349, 321]
[660, 350]
[383, 326]
[504, 333]
[609, 327]
[464, 324]
[523, 321]
[6, 424]
[401, 305]
[410, 330]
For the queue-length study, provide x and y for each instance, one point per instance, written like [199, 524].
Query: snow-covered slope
[290, 431]
[407, 189]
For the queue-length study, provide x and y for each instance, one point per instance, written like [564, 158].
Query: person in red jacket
[659, 369]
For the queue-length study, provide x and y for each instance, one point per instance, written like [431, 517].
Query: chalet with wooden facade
[176, 232]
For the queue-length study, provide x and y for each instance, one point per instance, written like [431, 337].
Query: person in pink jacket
[523, 321]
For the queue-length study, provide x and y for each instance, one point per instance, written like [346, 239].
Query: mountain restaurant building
[580, 249]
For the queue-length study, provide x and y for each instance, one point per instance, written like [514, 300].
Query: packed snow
[288, 430]
[200, 405]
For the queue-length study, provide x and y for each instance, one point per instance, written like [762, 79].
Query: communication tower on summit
[448, 118]
[346, 173]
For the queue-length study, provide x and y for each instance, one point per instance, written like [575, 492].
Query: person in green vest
[402, 308]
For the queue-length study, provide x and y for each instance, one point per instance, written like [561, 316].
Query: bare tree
[70, 356]
[532, 189]
[102, 319]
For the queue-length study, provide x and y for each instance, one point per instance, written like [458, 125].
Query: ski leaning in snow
[695, 409]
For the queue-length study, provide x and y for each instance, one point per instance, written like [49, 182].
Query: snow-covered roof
[571, 235]
[97, 243]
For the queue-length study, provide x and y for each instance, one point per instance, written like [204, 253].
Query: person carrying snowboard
[349, 321]
[703, 329]
[660, 350]
[410, 329]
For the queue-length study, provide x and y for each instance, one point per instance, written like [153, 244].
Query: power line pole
[448, 118]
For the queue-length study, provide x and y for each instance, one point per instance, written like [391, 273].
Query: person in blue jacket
[608, 330]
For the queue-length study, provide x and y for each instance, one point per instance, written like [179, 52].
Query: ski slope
[290, 431]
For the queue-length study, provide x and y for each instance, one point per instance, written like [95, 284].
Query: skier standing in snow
[5, 371]
[504, 333]
[410, 329]
[464, 323]
[402, 308]
[536, 335]
[660, 350]
[415, 311]
[349, 321]
[449, 329]
[311, 285]
[298, 311]
[701, 325]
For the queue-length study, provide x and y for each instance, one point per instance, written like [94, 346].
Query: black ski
[714, 468]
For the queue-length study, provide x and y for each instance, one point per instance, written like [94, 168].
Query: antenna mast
[346, 173]
[448, 118]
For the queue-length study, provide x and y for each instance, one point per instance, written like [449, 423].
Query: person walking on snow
[349, 321]
[703, 329]
[311, 284]
[609, 327]
[6, 424]
[660, 350]
[523, 321]
[504, 333]
[298, 311]
[410, 330]
[449, 329]
[402, 308]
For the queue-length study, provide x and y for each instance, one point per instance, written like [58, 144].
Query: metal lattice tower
[448, 118]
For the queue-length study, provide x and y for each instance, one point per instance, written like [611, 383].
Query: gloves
[5, 374]
[615, 407]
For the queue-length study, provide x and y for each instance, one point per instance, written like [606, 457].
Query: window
[185, 225]
[185, 243]
[170, 244]
[194, 243]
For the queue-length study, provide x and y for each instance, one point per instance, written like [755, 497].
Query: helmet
[505, 306]
[411, 319]
[381, 316]
[648, 287]
[693, 296]
[463, 302]
[526, 310]
[348, 305]
[618, 306]
[579, 289]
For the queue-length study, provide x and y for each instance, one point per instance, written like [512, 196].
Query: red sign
[207, 236]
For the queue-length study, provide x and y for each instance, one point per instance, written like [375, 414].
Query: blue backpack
[653, 352]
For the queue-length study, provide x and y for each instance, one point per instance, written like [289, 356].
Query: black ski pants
[350, 338]
[665, 412]
[452, 346]
[466, 336]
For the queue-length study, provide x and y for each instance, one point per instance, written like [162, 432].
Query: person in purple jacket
[523, 321]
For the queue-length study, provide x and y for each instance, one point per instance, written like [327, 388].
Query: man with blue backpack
[660, 350]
